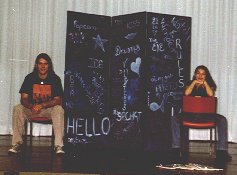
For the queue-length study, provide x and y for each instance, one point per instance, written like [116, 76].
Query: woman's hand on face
[199, 83]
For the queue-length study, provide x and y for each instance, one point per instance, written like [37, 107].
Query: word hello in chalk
[88, 127]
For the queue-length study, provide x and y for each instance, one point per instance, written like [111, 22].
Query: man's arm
[55, 101]
[25, 101]
[37, 107]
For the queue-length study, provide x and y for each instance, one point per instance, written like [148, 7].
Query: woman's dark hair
[209, 78]
[48, 59]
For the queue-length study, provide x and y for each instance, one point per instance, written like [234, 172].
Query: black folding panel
[167, 69]
[86, 79]
[128, 51]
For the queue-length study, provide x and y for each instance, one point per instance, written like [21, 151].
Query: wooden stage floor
[41, 160]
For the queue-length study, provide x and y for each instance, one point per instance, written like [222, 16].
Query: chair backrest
[199, 104]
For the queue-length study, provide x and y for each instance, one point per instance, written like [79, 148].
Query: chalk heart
[154, 106]
[136, 65]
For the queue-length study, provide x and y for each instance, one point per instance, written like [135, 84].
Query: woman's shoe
[223, 155]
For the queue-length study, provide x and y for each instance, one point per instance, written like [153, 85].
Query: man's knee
[18, 108]
[58, 109]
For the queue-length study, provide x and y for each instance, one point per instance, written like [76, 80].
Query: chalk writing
[127, 116]
[163, 79]
[180, 74]
[93, 89]
[133, 24]
[168, 34]
[76, 37]
[76, 140]
[95, 63]
[158, 47]
[80, 26]
[183, 26]
[118, 21]
[69, 104]
[167, 40]
[133, 49]
[148, 98]
[155, 26]
[166, 87]
[147, 60]
[82, 126]
[179, 63]
[125, 78]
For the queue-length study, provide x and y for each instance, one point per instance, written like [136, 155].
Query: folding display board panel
[124, 78]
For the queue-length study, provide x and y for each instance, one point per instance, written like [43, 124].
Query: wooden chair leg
[213, 142]
[184, 141]
[215, 137]
[52, 138]
[31, 132]
[25, 134]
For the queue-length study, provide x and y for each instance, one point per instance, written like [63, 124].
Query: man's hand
[36, 109]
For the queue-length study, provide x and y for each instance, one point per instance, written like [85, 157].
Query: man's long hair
[48, 59]
[209, 78]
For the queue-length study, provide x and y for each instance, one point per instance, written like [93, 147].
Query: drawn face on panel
[42, 67]
[200, 75]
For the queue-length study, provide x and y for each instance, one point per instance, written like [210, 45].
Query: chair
[40, 120]
[198, 105]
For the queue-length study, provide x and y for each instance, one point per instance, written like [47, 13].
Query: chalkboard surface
[124, 78]
[128, 52]
[166, 73]
[168, 59]
[86, 78]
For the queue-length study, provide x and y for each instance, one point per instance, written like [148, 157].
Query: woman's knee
[221, 120]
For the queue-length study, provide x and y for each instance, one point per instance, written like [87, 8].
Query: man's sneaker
[59, 150]
[15, 148]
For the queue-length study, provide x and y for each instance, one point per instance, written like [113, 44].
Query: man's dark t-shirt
[41, 90]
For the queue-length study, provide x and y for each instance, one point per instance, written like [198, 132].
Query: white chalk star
[99, 42]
